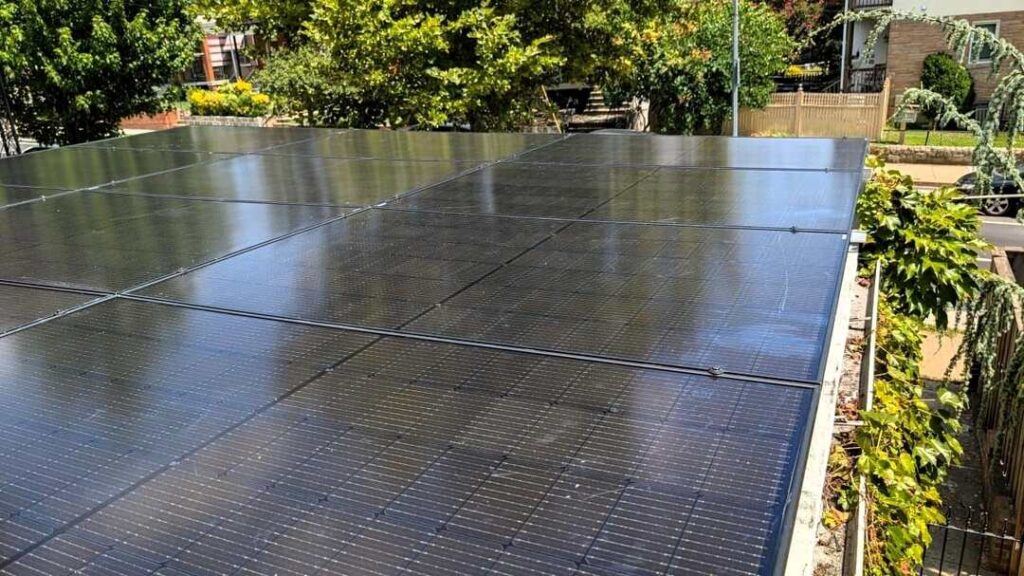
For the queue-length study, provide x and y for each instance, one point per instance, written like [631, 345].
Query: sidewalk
[932, 174]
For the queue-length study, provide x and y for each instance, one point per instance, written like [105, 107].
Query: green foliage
[462, 62]
[942, 74]
[75, 68]
[233, 99]
[277, 19]
[400, 63]
[682, 64]
[926, 241]
[907, 446]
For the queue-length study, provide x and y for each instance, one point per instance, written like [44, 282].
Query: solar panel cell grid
[21, 305]
[396, 484]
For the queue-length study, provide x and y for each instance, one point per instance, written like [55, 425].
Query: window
[981, 54]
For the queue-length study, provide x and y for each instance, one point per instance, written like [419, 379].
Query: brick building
[900, 52]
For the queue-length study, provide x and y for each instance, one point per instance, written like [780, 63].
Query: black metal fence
[974, 549]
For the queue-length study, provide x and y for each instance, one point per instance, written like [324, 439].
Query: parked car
[1000, 185]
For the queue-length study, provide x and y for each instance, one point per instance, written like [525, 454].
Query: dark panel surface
[297, 179]
[754, 302]
[377, 268]
[214, 138]
[746, 301]
[20, 306]
[80, 167]
[705, 151]
[764, 198]
[114, 242]
[15, 194]
[421, 458]
[96, 401]
[562, 191]
[404, 145]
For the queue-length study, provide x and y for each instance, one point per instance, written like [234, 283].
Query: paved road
[1002, 232]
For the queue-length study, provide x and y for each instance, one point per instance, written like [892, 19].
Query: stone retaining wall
[948, 155]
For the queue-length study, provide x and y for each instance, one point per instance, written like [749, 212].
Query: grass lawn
[937, 138]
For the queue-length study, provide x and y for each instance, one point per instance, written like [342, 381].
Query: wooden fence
[812, 114]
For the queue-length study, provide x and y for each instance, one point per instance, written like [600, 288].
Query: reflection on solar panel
[712, 152]
[76, 167]
[16, 194]
[112, 242]
[296, 179]
[452, 146]
[503, 369]
[20, 305]
[214, 139]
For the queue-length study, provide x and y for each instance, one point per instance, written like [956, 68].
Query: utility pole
[735, 68]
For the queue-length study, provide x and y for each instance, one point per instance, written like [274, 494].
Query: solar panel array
[298, 351]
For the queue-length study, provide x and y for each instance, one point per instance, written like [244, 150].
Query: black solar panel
[80, 167]
[297, 179]
[114, 242]
[376, 268]
[158, 438]
[706, 151]
[23, 305]
[748, 301]
[404, 145]
[214, 138]
[761, 198]
[100, 399]
[527, 190]
[15, 194]
[409, 457]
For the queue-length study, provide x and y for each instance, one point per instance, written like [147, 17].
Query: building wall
[958, 7]
[910, 42]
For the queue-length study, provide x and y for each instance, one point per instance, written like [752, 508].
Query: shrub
[927, 242]
[234, 99]
[943, 74]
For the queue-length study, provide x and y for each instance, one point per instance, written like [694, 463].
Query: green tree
[682, 63]
[402, 63]
[279, 21]
[76, 67]
[944, 75]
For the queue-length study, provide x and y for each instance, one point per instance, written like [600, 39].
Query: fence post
[798, 112]
[883, 107]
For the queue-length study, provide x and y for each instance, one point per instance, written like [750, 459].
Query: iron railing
[867, 79]
[976, 548]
